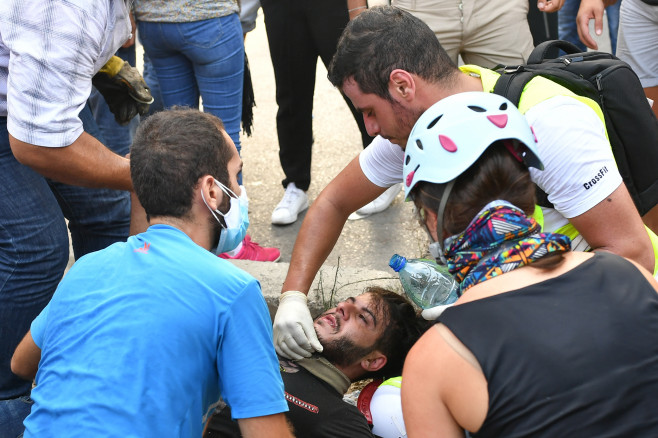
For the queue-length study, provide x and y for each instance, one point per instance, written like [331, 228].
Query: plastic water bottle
[425, 282]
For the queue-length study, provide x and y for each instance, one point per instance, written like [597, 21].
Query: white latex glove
[434, 312]
[294, 334]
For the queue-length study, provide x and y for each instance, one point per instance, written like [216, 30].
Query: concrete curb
[349, 282]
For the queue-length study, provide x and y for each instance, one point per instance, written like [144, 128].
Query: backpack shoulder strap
[511, 83]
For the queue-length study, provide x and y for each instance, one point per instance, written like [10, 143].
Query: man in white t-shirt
[392, 68]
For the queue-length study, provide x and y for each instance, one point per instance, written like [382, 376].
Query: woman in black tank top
[542, 341]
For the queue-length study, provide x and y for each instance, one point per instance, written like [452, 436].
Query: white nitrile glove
[434, 312]
[294, 334]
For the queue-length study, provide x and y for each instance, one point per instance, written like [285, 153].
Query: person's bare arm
[614, 225]
[270, 426]
[650, 278]
[349, 191]
[25, 361]
[133, 33]
[355, 7]
[86, 162]
[429, 398]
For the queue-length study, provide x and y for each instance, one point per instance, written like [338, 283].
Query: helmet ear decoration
[410, 176]
[447, 143]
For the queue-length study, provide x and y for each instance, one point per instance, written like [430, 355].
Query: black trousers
[298, 31]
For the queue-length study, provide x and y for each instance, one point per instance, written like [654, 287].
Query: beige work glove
[124, 89]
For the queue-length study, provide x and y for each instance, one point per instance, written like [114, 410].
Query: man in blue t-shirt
[142, 338]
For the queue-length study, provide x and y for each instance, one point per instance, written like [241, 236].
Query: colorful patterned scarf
[499, 239]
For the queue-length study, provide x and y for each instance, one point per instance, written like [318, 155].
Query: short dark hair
[404, 326]
[385, 38]
[171, 150]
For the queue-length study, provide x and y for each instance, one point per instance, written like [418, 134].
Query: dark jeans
[34, 244]
[298, 31]
[12, 414]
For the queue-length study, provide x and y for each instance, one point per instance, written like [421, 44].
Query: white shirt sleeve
[55, 48]
[382, 162]
[579, 167]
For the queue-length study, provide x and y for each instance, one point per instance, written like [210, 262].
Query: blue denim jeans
[34, 244]
[201, 58]
[12, 414]
[567, 30]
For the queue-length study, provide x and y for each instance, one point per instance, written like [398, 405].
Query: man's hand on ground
[124, 90]
[294, 334]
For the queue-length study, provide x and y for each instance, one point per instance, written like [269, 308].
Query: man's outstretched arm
[347, 192]
[293, 325]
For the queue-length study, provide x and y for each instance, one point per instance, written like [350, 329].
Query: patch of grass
[329, 301]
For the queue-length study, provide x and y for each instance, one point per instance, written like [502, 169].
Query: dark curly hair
[404, 327]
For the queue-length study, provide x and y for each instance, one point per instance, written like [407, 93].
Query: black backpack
[631, 124]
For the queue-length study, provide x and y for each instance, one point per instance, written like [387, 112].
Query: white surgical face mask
[236, 220]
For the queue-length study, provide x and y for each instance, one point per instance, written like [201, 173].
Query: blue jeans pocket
[203, 34]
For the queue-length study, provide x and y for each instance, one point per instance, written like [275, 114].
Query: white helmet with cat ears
[454, 132]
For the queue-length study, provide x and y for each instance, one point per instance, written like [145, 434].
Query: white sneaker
[294, 201]
[379, 204]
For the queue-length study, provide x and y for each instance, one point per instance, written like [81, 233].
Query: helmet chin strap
[439, 219]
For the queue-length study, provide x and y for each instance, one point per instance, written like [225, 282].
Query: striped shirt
[49, 51]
